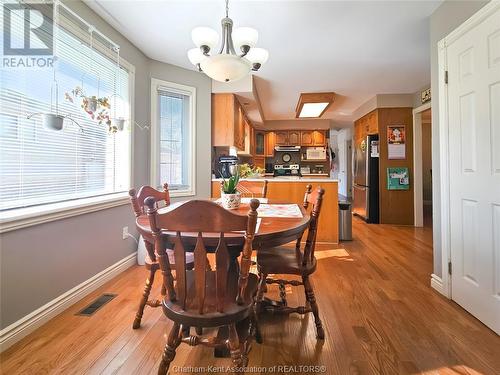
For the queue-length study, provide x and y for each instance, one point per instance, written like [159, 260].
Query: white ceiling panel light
[227, 65]
[313, 105]
[312, 109]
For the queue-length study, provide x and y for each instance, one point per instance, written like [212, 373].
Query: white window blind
[174, 137]
[40, 166]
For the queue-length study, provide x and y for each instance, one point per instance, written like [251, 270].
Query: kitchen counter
[286, 179]
[292, 189]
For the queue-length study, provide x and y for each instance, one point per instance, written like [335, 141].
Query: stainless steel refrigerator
[366, 179]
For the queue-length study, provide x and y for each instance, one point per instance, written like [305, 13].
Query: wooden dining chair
[202, 297]
[301, 262]
[161, 198]
[252, 189]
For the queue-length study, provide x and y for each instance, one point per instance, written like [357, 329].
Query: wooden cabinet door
[373, 123]
[259, 161]
[282, 138]
[294, 138]
[239, 128]
[270, 144]
[251, 135]
[319, 138]
[259, 141]
[306, 138]
[223, 119]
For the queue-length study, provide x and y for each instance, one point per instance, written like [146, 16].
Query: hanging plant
[98, 109]
[90, 104]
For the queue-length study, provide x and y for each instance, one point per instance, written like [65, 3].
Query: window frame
[28, 216]
[155, 135]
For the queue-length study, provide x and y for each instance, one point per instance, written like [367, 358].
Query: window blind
[40, 166]
[174, 137]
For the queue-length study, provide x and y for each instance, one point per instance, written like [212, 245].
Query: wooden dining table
[272, 231]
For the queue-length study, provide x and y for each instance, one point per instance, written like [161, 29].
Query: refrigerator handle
[355, 164]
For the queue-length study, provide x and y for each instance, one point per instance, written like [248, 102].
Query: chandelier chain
[227, 8]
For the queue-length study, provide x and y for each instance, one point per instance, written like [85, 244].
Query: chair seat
[171, 258]
[211, 317]
[283, 260]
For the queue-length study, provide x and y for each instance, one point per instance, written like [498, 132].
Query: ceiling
[356, 49]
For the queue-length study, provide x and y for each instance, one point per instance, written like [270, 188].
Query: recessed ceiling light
[313, 105]
[313, 109]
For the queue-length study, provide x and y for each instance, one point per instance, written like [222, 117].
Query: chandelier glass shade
[236, 57]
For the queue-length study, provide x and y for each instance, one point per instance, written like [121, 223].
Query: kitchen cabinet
[319, 137]
[259, 161]
[306, 138]
[228, 122]
[251, 136]
[270, 143]
[281, 138]
[247, 140]
[259, 141]
[366, 125]
[294, 138]
[240, 129]
[372, 122]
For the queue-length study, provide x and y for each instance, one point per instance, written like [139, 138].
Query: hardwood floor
[378, 310]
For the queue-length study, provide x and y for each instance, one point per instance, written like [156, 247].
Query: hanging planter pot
[118, 123]
[89, 104]
[52, 121]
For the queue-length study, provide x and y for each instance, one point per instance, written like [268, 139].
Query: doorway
[426, 152]
[422, 165]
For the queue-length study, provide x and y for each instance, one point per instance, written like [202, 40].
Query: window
[172, 136]
[40, 166]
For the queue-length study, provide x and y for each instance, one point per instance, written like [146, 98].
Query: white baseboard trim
[437, 284]
[24, 326]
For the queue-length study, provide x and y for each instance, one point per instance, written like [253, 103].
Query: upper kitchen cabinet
[319, 137]
[270, 143]
[294, 138]
[372, 122]
[259, 143]
[281, 138]
[366, 125]
[228, 122]
[306, 138]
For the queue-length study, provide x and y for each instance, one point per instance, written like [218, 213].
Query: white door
[474, 148]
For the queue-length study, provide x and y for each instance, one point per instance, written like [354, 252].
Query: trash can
[345, 221]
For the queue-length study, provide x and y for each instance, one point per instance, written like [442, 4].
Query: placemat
[279, 210]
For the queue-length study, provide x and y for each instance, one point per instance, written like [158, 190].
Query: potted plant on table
[231, 197]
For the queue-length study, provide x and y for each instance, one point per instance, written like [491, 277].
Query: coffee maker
[226, 166]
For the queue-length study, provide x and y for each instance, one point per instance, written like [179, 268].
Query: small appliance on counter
[269, 168]
[287, 170]
[226, 166]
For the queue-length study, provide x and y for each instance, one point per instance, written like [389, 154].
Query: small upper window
[172, 136]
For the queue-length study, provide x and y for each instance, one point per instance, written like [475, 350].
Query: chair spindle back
[315, 199]
[202, 217]
[137, 197]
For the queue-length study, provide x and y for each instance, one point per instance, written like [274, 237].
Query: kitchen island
[292, 189]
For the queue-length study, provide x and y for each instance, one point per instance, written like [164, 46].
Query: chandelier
[227, 65]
